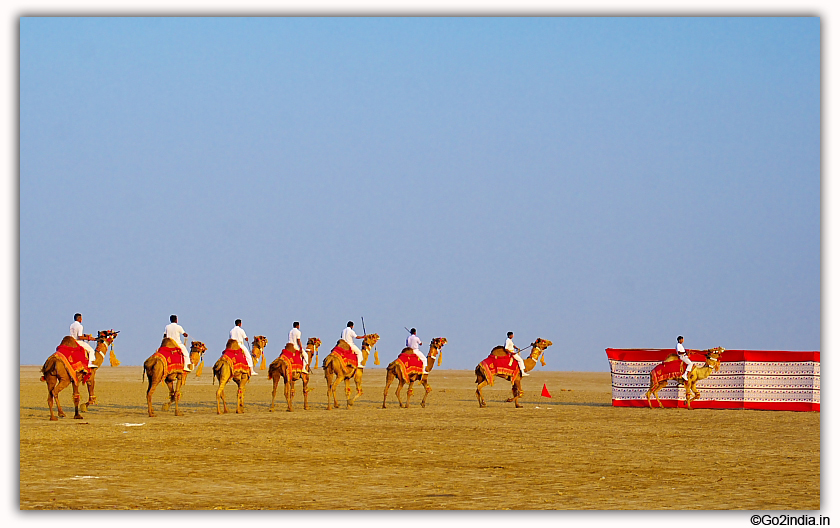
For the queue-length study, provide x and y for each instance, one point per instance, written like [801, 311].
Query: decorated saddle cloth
[75, 359]
[172, 357]
[410, 363]
[494, 364]
[343, 351]
[293, 359]
[237, 359]
[667, 370]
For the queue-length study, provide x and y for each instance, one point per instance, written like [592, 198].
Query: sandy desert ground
[574, 451]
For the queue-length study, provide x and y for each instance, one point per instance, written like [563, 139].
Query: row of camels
[336, 369]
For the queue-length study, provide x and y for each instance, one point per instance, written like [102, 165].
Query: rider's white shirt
[348, 335]
[76, 330]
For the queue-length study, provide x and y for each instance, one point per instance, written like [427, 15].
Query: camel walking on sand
[156, 369]
[286, 367]
[57, 373]
[398, 369]
[336, 369]
[660, 375]
[490, 367]
[227, 369]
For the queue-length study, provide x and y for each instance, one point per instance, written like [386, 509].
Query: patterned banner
[748, 379]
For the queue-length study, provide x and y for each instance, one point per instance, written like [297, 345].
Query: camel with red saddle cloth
[232, 365]
[672, 368]
[67, 366]
[104, 339]
[167, 364]
[408, 368]
[289, 366]
[341, 364]
[500, 363]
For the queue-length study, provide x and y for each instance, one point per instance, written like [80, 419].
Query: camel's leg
[53, 388]
[656, 393]
[400, 384]
[220, 394]
[77, 397]
[347, 392]
[517, 392]
[330, 387]
[288, 383]
[304, 378]
[389, 378]
[153, 383]
[481, 385]
[240, 394]
[427, 389]
[179, 382]
[276, 380]
[410, 391]
[171, 385]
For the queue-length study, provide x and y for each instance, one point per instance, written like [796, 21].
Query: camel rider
[294, 340]
[348, 335]
[513, 350]
[77, 332]
[238, 334]
[683, 355]
[413, 342]
[174, 331]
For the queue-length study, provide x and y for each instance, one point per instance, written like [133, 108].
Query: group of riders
[176, 333]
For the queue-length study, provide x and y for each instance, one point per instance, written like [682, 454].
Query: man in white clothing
[683, 355]
[238, 334]
[294, 340]
[513, 350]
[348, 335]
[413, 342]
[76, 332]
[174, 331]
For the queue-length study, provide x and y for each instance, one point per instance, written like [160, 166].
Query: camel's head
[260, 341]
[107, 336]
[438, 342]
[197, 349]
[313, 343]
[370, 340]
[539, 345]
[713, 357]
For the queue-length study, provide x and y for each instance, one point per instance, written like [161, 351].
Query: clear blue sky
[597, 182]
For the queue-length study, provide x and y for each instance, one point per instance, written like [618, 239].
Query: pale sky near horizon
[596, 182]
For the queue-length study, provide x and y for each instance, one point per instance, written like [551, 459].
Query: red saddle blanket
[411, 363]
[294, 359]
[172, 357]
[494, 365]
[237, 357]
[347, 355]
[667, 371]
[75, 359]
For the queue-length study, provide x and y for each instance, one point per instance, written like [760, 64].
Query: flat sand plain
[573, 451]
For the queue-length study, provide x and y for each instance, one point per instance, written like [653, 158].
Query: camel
[659, 379]
[103, 340]
[335, 370]
[282, 368]
[58, 375]
[225, 370]
[257, 348]
[484, 378]
[155, 369]
[397, 369]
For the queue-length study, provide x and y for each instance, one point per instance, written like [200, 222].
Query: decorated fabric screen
[747, 379]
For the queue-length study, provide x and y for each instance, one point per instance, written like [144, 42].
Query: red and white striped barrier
[748, 379]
